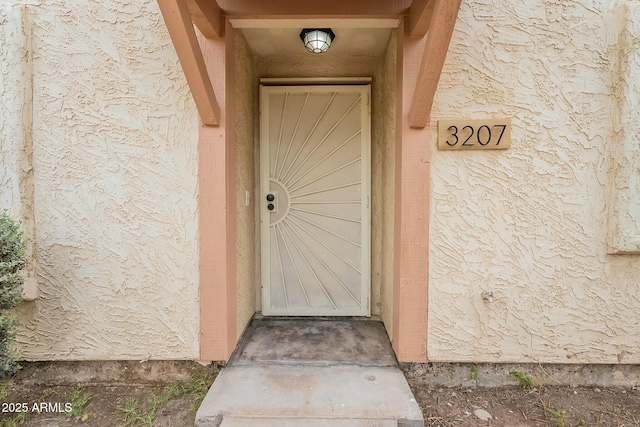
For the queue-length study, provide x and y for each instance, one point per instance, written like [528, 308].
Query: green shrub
[12, 261]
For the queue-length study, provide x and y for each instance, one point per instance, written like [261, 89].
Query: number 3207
[474, 134]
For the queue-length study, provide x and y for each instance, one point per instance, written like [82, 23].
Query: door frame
[263, 183]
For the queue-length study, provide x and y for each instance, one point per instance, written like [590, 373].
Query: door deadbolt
[272, 198]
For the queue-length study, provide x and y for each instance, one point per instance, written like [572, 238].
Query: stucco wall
[246, 94]
[624, 175]
[16, 127]
[115, 186]
[383, 180]
[99, 157]
[530, 224]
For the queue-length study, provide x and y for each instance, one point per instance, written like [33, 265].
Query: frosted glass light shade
[317, 40]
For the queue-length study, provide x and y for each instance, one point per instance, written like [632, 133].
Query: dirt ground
[513, 406]
[163, 395]
[105, 394]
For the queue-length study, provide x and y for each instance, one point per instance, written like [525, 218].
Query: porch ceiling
[286, 41]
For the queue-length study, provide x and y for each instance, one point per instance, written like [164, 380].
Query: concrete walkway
[312, 373]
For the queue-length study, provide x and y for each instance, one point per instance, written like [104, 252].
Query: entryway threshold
[310, 372]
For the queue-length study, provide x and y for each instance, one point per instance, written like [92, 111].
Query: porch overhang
[434, 18]
[179, 20]
[441, 15]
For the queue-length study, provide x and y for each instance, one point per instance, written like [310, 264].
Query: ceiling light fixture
[317, 40]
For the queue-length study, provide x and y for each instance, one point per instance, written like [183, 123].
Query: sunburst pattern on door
[314, 179]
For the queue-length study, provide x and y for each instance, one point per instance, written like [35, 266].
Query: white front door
[314, 200]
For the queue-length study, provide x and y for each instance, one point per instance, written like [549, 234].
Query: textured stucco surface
[624, 221]
[246, 95]
[15, 81]
[383, 180]
[530, 224]
[16, 126]
[115, 186]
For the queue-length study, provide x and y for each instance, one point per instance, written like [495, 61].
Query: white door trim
[308, 81]
[365, 93]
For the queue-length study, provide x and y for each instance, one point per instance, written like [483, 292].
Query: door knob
[270, 206]
[270, 197]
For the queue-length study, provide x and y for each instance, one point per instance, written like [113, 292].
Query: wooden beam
[216, 206]
[317, 9]
[420, 17]
[207, 16]
[178, 20]
[411, 214]
[443, 20]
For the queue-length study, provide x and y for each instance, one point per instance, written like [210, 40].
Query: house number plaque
[490, 134]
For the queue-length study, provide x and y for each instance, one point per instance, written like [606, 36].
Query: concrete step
[313, 373]
[299, 422]
[331, 394]
[314, 342]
